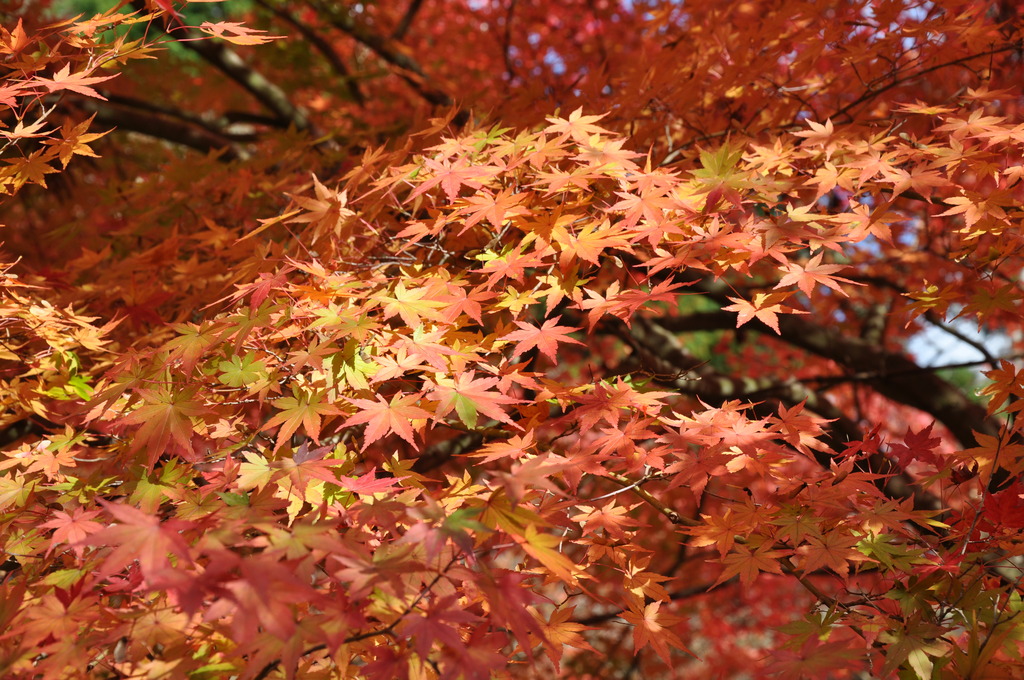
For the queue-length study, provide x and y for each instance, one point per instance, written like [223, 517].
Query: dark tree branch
[904, 381]
[321, 46]
[409, 69]
[406, 21]
[437, 455]
[896, 82]
[177, 130]
[654, 344]
[228, 62]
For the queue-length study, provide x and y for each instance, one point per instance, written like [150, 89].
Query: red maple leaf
[545, 338]
[72, 528]
[383, 417]
[140, 536]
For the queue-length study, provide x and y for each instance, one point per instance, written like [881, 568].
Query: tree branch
[903, 380]
[228, 62]
[323, 47]
[409, 69]
[178, 130]
[406, 21]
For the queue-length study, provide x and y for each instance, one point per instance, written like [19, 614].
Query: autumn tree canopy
[511, 339]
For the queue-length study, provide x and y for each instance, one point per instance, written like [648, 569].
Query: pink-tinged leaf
[368, 483]
[578, 127]
[136, 535]
[544, 338]
[75, 82]
[303, 409]
[237, 33]
[806, 276]
[765, 307]
[652, 627]
[383, 417]
[468, 396]
[72, 528]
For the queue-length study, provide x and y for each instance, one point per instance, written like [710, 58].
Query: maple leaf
[513, 448]
[545, 338]
[237, 33]
[164, 415]
[653, 627]
[591, 241]
[765, 307]
[383, 417]
[749, 563]
[544, 548]
[614, 519]
[22, 131]
[452, 176]
[433, 625]
[468, 395]
[75, 140]
[369, 483]
[304, 408]
[77, 82]
[191, 344]
[140, 536]
[916, 446]
[819, 135]
[16, 40]
[806, 276]
[512, 263]
[256, 472]
[306, 464]
[719, 530]
[33, 168]
[72, 528]
[607, 155]
[327, 211]
[409, 303]
[579, 127]
[625, 304]
[1007, 381]
[834, 550]
[559, 631]
[242, 371]
[494, 208]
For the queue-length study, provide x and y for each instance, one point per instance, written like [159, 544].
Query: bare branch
[409, 69]
[406, 21]
[901, 379]
[323, 47]
[175, 129]
[228, 62]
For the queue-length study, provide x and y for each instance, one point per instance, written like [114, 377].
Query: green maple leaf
[242, 371]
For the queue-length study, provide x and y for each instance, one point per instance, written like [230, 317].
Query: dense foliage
[510, 338]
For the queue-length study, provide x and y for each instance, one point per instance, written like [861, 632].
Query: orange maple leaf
[806, 276]
[76, 82]
[578, 126]
[383, 417]
[765, 307]
[652, 627]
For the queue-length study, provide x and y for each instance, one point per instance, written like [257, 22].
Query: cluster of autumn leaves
[449, 428]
